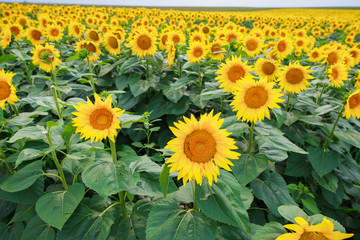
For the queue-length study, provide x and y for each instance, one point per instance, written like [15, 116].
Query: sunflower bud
[83, 53]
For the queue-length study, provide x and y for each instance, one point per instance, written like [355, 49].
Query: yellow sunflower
[321, 231]
[75, 29]
[197, 52]
[46, 57]
[334, 56]
[268, 69]
[7, 90]
[97, 120]
[231, 72]
[352, 106]
[337, 74]
[5, 37]
[163, 40]
[92, 48]
[17, 30]
[54, 33]
[253, 99]
[143, 44]
[171, 50]
[93, 35]
[216, 50]
[253, 45]
[294, 78]
[315, 55]
[34, 35]
[200, 148]
[357, 83]
[112, 43]
[283, 48]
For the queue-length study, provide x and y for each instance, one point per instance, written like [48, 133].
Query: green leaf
[328, 181]
[108, 68]
[107, 178]
[174, 95]
[33, 132]
[27, 196]
[1, 114]
[164, 179]
[279, 116]
[272, 189]
[316, 219]
[222, 201]
[23, 178]
[28, 154]
[24, 213]
[290, 212]
[238, 128]
[167, 221]
[127, 119]
[310, 204]
[297, 165]
[16, 232]
[323, 162]
[7, 58]
[226, 232]
[56, 208]
[38, 230]
[350, 169]
[269, 231]
[128, 64]
[248, 167]
[351, 137]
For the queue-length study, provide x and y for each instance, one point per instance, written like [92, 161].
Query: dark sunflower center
[176, 39]
[251, 45]
[354, 101]
[200, 146]
[113, 42]
[144, 42]
[353, 54]
[281, 46]
[44, 54]
[15, 30]
[22, 21]
[90, 47]
[198, 52]
[315, 54]
[235, 73]
[77, 29]
[334, 73]
[268, 68]
[256, 97]
[300, 43]
[197, 38]
[231, 37]
[206, 30]
[312, 236]
[36, 34]
[5, 90]
[294, 76]
[164, 39]
[94, 36]
[332, 58]
[101, 119]
[54, 32]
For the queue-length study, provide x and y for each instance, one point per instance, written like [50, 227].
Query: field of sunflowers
[122, 123]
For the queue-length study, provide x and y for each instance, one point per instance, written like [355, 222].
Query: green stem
[180, 69]
[91, 76]
[8, 165]
[288, 102]
[147, 70]
[53, 90]
[193, 185]
[322, 91]
[14, 108]
[53, 75]
[108, 208]
[328, 138]
[200, 80]
[251, 138]
[113, 151]
[122, 203]
[56, 161]
[25, 65]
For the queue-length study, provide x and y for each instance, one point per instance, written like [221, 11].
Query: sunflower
[253, 45]
[143, 44]
[5, 37]
[34, 35]
[200, 148]
[198, 37]
[321, 231]
[252, 99]
[197, 52]
[294, 78]
[268, 69]
[93, 35]
[177, 37]
[357, 83]
[17, 30]
[171, 50]
[337, 74]
[97, 120]
[163, 40]
[216, 50]
[22, 20]
[352, 106]
[283, 48]
[92, 48]
[231, 72]
[7, 90]
[54, 33]
[333, 57]
[46, 57]
[112, 43]
[75, 29]
[315, 55]
[355, 54]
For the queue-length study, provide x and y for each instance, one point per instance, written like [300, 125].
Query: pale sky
[204, 3]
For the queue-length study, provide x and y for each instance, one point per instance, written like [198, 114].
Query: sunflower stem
[108, 208]
[113, 151]
[287, 103]
[147, 70]
[25, 65]
[14, 108]
[122, 203]
[91, 76]
[53, 90]
[56, 161]
[180, 69]
[328, 138]
[8, 165]
[321, 93]
[200, 80]
[195, 206]
[251, 142]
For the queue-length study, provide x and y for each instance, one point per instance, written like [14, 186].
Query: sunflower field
[123, 123]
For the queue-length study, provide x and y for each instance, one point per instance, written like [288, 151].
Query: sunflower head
[283, 48]
[200, 148]
[112, 43]
[91, 47]
[96, 121]
[143, 44]
[34, 35]
[197, 52]
[253, 45]
[352, 106]
[337, 74]
[294, 78]
[267, 68]
[46, 57]
[7, 90]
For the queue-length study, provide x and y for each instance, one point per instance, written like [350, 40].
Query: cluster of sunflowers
[259, 65]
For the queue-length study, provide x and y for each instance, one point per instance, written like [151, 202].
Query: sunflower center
[94, 36]
[353, 54]
[54, 32]
[164, 39]
[300, 43]
[4, 90]
[235, 73]
[113, 42]
[200, 146]
[354, 101]
[22, 21]
[256, 97]
[197, 38]
[281, 46]
[334, 73]
[231, 37]
[215, 49]
[315, 54]
[312, 236]
[36, 34]
[44, 55]
[198, 52]
[90, 47]
[15, 30]
[332, 58]
[268, 68]
[77, 29]
[294, 76]
[101, 119]
[251, 45]
[206, 30]
[144, 42]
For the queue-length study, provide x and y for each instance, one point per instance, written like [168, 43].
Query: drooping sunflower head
[253, 99]
[46, 57]
[7, 90]
[143, 44]
[200, 148]
[97, 121]
[111, 43]
[75, 29]
[171, 50]
[337, 74]
[197, 52]
[253, 45]
[92, 49]
[268, 69]
[164, 37]
[232, 71]
[294, 78]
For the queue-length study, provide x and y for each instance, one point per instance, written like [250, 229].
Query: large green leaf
[351, 137]
[7, 58]
[167, 221]
[290, 212]
[323, 162]
[33, 132]
[298, 165]
[27, 196]
[226, 232]
[36, 229]
[222, 201]
[164, 179]
[24, 178]
[269, 231]
[107, 178]
[329, 181]
[248, 167]
[272, 189]
[56, 208]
